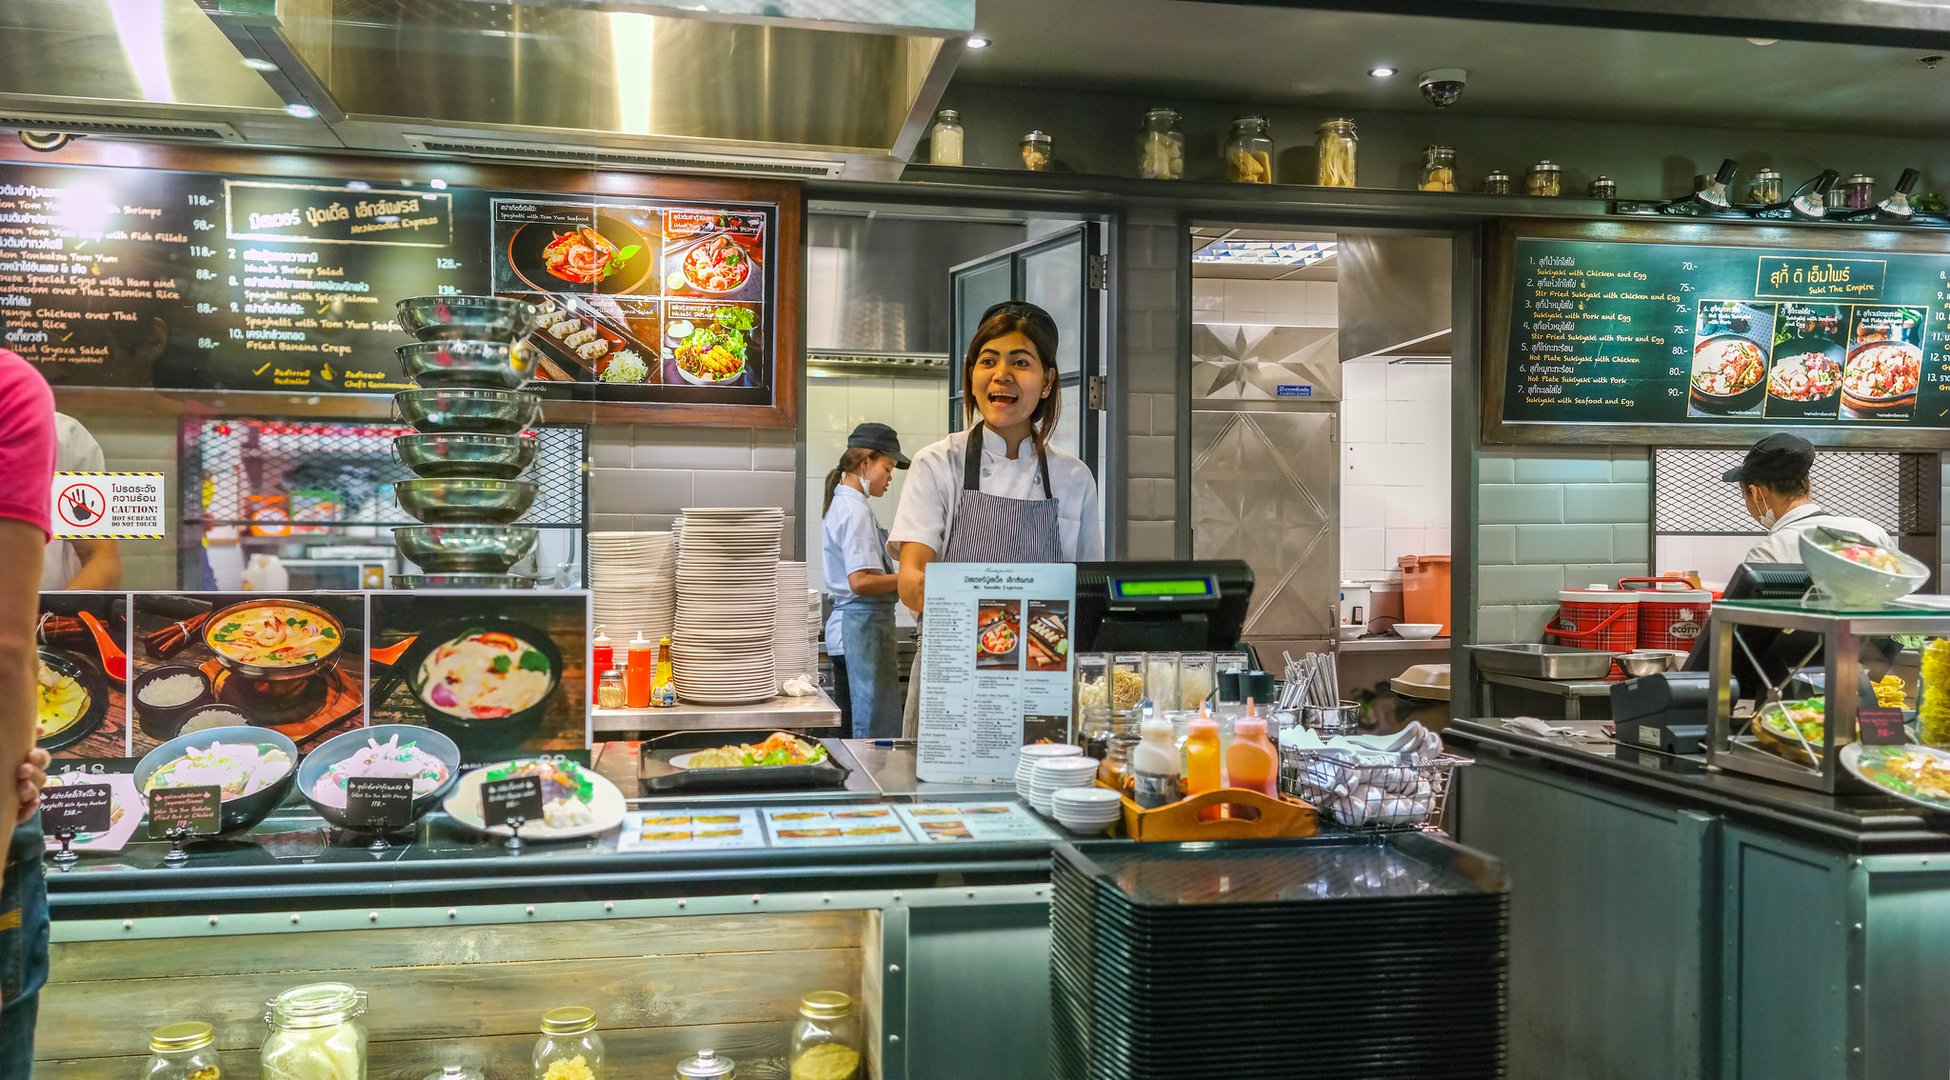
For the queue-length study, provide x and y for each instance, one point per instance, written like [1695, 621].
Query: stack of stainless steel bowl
[470, 411]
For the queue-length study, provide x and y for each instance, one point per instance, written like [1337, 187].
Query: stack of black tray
[1368, 957]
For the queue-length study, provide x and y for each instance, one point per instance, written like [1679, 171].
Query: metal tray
[656, 772]
[1543, 661]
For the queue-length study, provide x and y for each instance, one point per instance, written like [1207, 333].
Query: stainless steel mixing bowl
[481, 318]
[466, 454]
[497, 412]
[462, 581]
[464, 501]
[490, 364]
[465, 549]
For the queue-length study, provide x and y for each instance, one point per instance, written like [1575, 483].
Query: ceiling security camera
[1443, 86]
[45, 142]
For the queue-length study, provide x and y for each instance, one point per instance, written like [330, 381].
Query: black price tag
[504, 802]
[76, 808]
[195, 810]
[379, 802]
[1881, 727]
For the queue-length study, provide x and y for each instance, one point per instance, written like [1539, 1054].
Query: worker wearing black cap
[861, 579]
[1774, 481]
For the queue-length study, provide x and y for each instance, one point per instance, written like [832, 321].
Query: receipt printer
[1664, 712]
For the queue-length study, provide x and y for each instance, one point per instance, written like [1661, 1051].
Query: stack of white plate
[727, 605]
[1054, 774]
[814, 627]
[631, 575]
[1035, 752]
[789, 632]
[1088, 810]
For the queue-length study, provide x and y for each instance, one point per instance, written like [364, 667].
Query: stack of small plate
[1035, 752]
[1087, 811]
[789, 631]
[727, 605]
[632, 577]
[1052, 775]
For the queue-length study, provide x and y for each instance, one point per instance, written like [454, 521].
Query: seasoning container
[455, 1071]
[707, 1065]
[315, 1031]
[1603, 188]
[1091, 705]
[1036, 151]
[1249, 151]
[945, 138]
[569, 1048]
[1765, 187]
[1115, 772]
[610, 691]
[826, 1038]
[1161, 678]
[1126, 687]
[1438, 168]
[1496, 183]
[1335, 140]
[663, 683]
[1859, 191]
[1161, 146]
[186, 1051]
[1544, 178]
[1194, 679]
[602, 657]
[1157, 766]
[641, 665]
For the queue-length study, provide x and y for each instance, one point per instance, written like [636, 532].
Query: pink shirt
[26, 444]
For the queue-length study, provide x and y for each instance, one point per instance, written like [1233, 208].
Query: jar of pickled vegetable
[569, 1048]
[1765, 187]
[826, 1039]
[610, 691]
[1859, 191]
[1249, 151]
[945, 138]
[1603, 188]
[186, 1051]
[1161, 146]
[315, 1031]
[1496, 183]
[1036, 151]
[1544, 178]
[1335, 141]
[1438, 168]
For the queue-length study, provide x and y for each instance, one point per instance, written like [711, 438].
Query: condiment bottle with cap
[186, 1051]
[1251, 761]
[569, 1048]
[1157, 769]
[602, 657]
[641, 667]
[826, 1039]
[707, 1065]
[1203, 769]
[663, 685]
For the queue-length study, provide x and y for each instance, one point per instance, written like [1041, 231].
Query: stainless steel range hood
[1395, 297]
[780, 87]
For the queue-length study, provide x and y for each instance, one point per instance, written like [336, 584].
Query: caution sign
[108, 506]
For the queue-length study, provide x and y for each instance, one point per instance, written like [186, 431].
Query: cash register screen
[1182, 589]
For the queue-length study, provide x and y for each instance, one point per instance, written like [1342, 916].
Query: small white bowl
[1051, 750]
[1083, 827]
[1418, 631]
[1089, 797]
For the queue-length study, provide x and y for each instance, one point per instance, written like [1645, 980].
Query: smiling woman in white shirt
[997, 492]
[860, 632]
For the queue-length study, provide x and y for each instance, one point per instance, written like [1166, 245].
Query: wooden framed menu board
[1656, 332]
[665, 298]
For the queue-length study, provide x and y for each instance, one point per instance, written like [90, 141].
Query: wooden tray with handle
[1222, 814]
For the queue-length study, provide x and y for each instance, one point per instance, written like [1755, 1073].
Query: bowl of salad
[1855, 573]
[1729, 373]
[715, 352]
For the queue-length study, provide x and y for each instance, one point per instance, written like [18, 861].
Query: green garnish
[502, 665]
[533, 661]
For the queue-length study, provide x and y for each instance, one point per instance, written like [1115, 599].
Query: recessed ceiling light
[1762, 40]
[1381, 72]
[256, 64]
[302, 112]
[978, 42]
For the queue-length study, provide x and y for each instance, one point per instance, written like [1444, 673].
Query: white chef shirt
[1783, 542]
[932, 491]
[851, 540]
[75, 451]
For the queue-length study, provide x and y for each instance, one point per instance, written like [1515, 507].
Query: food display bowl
[494, 412]
[267, 674]
[447, 455]
[1638, 664]
[164, 721]
[206, 718]
[1727, 403]
[240, 813]
[1418, 631]
[494, 365]
[465, 549]
[480, 318]
[1852, 584]
[465, 501]
[340, 747]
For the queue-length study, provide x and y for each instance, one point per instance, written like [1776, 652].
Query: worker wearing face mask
[1774, 481]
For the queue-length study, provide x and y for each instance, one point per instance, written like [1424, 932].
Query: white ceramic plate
[607, 804]
[1852, 760]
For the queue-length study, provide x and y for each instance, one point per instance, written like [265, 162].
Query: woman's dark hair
[1032, 322]
[851, 459]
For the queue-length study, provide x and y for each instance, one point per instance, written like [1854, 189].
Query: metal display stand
[1837, 636]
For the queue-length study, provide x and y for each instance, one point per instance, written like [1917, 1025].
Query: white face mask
[1767, 517]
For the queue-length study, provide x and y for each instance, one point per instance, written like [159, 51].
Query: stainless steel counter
[1576, 694]
[817, 711]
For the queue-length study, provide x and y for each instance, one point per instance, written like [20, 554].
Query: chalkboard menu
[1700, 335]
[145, 278]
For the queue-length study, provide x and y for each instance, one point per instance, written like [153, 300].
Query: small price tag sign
[1881, 727]
[72, 809]
[513, 802]
[381, 803]
[197, 811]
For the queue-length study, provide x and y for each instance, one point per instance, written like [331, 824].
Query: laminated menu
[674, 830]
[835, 826]
[970, 822]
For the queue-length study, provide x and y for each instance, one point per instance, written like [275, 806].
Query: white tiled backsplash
[1394, 465]
[1275, 303]
[917, 409]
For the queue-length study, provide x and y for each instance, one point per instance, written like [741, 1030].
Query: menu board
[1609, 332]
[138, 278]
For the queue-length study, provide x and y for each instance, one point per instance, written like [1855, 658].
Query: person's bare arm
[871, 583]
[21, 545]
[101, 565]
[915, 558]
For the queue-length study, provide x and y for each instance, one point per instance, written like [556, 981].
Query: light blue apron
[872, 668]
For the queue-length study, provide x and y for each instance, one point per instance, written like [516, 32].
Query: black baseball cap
[872, 436]
[1779, 456]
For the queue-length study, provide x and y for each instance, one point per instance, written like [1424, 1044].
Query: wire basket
[1371, 798]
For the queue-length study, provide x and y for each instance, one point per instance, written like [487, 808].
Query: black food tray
[657, 774]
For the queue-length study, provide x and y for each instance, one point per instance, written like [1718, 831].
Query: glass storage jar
[1859, 191]
[1335, 141]
[1194, 679]
[1765, 187]
[1603, 187]
[610, 691]
[186, 1051]
[1161, 146]
[945, 138]
[1115, 771]
[1544, 178]
[315, 1032]
[1249, 151]
[569, 1048]
[1092, 682]
[1496, 183]
[456, 1071]
[1126, 686]
[707, 1065]
[1036, 151]
[1161, 679]
[826, 1039]
[1438, 168]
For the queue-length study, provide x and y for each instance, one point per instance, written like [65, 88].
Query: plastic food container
[1425, 589]
[1597, 617]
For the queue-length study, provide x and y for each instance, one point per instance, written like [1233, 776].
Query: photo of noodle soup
[485, 675]
[273, 635]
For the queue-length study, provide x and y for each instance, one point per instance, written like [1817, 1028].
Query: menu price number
[444, 263]
[200, 200]
[449, 290]
[202, 225]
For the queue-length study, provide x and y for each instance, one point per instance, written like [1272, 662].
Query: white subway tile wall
[915, 408]
[1554, 519]
[1394, 465]
[642, 476]
[1272, 303]
[1145, 376]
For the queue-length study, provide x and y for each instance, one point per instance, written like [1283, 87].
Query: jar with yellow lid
[315, 1031]
[826, 1040]
[186, 1051]
[569, 1048]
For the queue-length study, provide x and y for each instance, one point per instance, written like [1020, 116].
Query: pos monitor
[1161, 606]
[1771, 657]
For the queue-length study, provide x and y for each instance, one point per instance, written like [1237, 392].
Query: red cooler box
[1672, 613]
[1597, 617]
